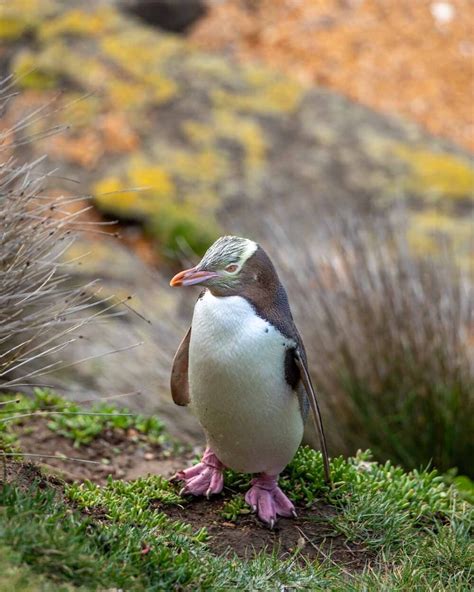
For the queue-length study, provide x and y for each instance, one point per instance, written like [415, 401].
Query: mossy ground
[379, 528]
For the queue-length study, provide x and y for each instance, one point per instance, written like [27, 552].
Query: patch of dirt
[123, 455]
[311, 533]
[23, 474]
[129, 457]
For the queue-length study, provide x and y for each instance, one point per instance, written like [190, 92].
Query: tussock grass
[42, 308]
[389, 338]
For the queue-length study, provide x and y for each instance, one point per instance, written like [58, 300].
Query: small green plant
[127, 502]
[176, 225]
[118, 535]
[462, 483]
[234, 508]
[79, 424]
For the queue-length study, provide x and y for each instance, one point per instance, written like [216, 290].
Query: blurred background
[337, 133]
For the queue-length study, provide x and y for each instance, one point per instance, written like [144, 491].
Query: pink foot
[268, 500]
[205, 478]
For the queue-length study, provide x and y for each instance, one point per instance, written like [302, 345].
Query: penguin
[242, 365]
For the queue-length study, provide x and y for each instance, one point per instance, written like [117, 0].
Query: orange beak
[191, 277]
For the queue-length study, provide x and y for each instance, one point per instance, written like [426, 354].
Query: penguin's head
[223, 267]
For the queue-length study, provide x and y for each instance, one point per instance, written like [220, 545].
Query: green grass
[133, 553]
[16, 577]
[380, 506]
[416, 527]
[74, 422]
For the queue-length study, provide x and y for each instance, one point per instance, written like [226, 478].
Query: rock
[190, 145]
[170, 15]
[175, 138]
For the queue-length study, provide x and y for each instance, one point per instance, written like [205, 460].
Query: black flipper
[313, 401]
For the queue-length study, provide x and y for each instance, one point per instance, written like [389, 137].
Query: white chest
[238, 389]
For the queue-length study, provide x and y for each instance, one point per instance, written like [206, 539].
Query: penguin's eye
[232, 268]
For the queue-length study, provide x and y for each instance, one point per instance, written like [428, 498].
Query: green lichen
[31, 71]
[178, 225]
[436, 174]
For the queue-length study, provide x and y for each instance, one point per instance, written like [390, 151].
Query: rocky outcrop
[188, 145]
[171, 137]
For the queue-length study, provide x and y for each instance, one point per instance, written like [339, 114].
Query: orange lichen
[117, 134]
[84, 149]
[394, 55]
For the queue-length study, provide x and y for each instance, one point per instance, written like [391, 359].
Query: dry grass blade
[62, 457]
[42, 307]
[389, 338]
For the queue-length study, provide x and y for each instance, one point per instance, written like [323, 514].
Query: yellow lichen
[436, 173]
[80, 23]
[19, 16]
[278, 96]
[111, 196]
[206, 166]
[152, 178]
[141, 55]
[12, 28]
[29, 8]
[126, 94]
[209, 66]
[197, 132]
[140, 193]
[430, 230]
[162, 88]
[140, 52]
[247, 133]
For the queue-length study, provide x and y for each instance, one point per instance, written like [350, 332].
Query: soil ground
[123, 455]
[128, 458]
[311, 533]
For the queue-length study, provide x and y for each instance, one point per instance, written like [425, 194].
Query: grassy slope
[413, 528]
